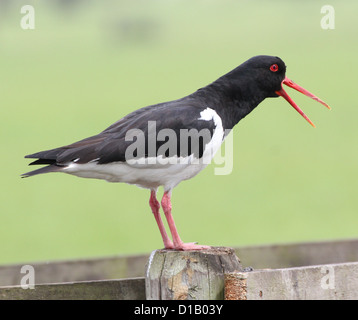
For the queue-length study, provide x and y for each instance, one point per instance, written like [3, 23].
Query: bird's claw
[188, 246]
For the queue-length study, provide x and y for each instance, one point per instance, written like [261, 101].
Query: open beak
[295, 86]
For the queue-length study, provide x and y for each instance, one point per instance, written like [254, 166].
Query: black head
[267, 72]
[264, 76]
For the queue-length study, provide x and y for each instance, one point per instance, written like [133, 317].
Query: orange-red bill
[295, 86]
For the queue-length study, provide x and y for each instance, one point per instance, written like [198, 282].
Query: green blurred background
[89, 63]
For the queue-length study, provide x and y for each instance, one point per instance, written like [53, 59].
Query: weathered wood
[189, 275]
[124, 289]
[308, 282]
[321, 282]
[67, 273]
[77, 270]
[266, 256]
[287, 255]
[235, 286]
[333, 281]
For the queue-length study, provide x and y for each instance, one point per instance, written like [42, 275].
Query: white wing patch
[213, 146]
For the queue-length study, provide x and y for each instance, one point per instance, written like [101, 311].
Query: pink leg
[178, 243]
[155, 206]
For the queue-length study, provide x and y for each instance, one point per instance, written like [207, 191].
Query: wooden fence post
[189, 275]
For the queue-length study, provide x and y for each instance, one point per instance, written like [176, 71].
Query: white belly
[145, 176]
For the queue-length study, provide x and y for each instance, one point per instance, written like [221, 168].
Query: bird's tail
[44, 157]
[47, 169]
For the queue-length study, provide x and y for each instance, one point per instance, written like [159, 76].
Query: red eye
[274, 67]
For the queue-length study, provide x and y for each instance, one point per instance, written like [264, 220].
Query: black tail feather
[42, 161]
[44, 157]
[50, 168]
[50, 155]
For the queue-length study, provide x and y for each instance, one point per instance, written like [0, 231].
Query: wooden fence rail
[320, 282]
[317, 270]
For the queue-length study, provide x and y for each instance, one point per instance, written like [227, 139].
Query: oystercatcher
[163, 144]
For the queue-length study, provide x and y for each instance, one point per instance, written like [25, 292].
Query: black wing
[171, 122]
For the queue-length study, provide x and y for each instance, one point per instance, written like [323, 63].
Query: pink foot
[168, 244]
[190, 246]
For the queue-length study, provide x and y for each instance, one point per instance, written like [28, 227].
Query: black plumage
[232, 96]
